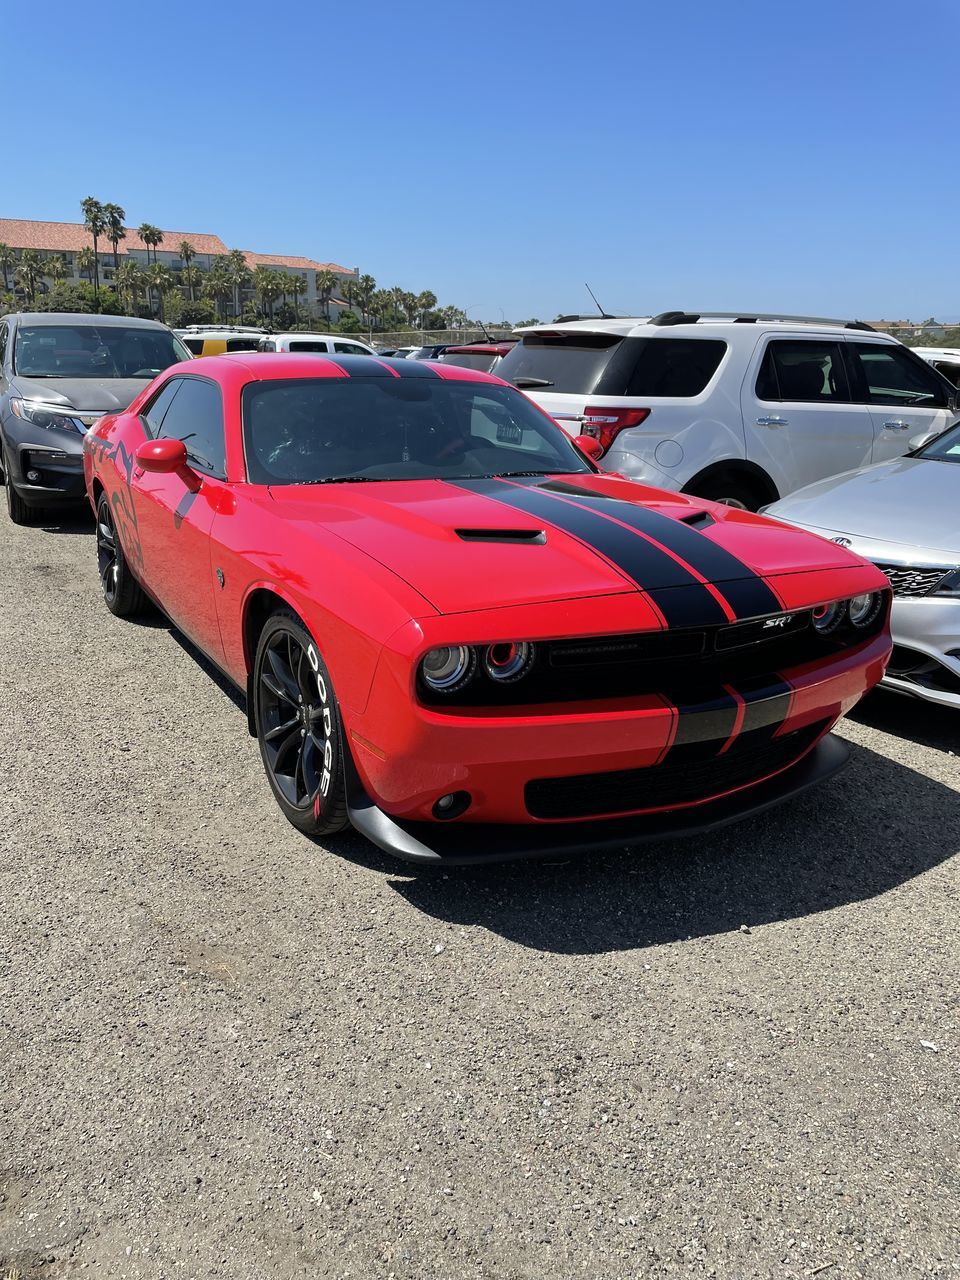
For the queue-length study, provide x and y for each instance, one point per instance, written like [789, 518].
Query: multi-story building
[67, 239]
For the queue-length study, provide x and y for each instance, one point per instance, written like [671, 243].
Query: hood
[908, 502]
[490, 543]
[88, 395]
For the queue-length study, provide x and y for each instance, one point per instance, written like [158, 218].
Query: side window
[3, 344]
[307, 344]
[950, 371]
[350, 349]
[196, 418]
[810, 372]
[677, 367]
[242, 344]
[152, 416]
[893, 376]
[194, 345]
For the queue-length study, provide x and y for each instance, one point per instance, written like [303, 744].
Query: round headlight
[827, 617]
[449, 667]
[509, 660]
[863, 609]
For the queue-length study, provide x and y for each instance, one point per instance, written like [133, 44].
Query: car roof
[327, 337]
[83, 318]
[706, 325]
[483, 348]
[269, 365]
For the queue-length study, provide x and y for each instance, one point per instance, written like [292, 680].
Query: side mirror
[920, 439]
[589, 446]
[166, 457]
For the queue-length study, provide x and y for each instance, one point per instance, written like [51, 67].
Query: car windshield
[311, 431]
[946, 447]
[92, 351]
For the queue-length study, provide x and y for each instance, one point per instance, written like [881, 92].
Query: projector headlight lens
[448, 668]
[827, 617]
[863, 609]
[509, 660]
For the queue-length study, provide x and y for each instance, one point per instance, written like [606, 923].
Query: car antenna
[486, 335]
[603, 314]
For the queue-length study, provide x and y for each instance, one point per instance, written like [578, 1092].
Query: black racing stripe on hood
[767, 701]
[747, 593]
[706, 723]
[683, 601]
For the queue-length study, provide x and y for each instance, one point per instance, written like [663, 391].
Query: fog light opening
[452, 805]
[33, 477]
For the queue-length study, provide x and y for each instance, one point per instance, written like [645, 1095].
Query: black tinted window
[679, 367]
[153, 415]
[803, 371]
[305, 344]
[193, 345]
[243, 344]
[572, 362]
[949, 369]
[3, 343]
[196, 418]
[894, 376]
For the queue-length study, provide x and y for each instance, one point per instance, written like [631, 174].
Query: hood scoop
[533, 537]
[698, 520]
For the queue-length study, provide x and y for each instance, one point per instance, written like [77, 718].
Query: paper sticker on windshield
[509, 433]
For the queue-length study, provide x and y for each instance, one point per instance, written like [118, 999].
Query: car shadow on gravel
[872, 828]
[925, 723]
[68, 522]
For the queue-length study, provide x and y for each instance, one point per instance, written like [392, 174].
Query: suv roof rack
[753, 317]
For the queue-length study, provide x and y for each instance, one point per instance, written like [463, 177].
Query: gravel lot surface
[226, 1052]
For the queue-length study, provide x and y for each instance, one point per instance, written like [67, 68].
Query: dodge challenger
[452, 631]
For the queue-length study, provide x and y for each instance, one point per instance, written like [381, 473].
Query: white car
[945, 359]
[738, 408]
[329, 343]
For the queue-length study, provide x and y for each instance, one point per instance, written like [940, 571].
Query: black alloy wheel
[122, 593]
[299, 728]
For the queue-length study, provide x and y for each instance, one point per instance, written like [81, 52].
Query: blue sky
[738, 154]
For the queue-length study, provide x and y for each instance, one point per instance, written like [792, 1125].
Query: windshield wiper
[343, 480]
[524, 381]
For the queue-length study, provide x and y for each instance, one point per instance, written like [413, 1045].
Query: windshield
[307, 431]
[91, 351]
[946, 447]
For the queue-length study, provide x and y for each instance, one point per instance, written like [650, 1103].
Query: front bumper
[407, 755]
[467, 844]
[54, 458]
[926, 655]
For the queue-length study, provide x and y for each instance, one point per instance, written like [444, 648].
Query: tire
[20, 512]
[731, 491]
[122, 594]
[299, 728]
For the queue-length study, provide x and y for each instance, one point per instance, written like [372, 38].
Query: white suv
[331, 343]
[738, 408]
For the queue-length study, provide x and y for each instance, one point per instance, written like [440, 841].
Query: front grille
[667, 784]
[914, 580]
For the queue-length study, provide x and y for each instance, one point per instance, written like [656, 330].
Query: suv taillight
[606, 424]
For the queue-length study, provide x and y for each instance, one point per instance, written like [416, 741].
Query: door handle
[896, 424]
[773, 422]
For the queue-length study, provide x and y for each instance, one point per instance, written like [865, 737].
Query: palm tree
[30, 272]
[8, 260]
[326, 283]
[426, 301]
[366, 287]
[187, 254]
[381, 305]
[298, 287]
[56, 268]
[116, 231]
[150, 235]
[86, 261]
[191, 278]
[96, 224]
[130, 282]
[160, 278]
[263, 282]
[239, 274]
[218, 285]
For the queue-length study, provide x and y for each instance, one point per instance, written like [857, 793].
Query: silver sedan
[903, 515]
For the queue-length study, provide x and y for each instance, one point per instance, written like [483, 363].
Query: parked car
[905, 517]
[455, 634]
[331, 343]
[403, 353]
[945, 360]
[432, 351]
[215, 340]
[740, 408]
[484, 356]
[59, 372]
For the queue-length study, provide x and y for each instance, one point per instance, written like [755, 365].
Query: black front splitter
[458, 844]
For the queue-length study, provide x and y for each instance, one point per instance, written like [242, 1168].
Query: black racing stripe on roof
[743, 588]
[374, 367]
[683, 601]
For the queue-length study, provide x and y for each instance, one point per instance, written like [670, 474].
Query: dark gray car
[59, 373]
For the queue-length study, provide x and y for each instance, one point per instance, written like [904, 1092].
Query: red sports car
[457, 635]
